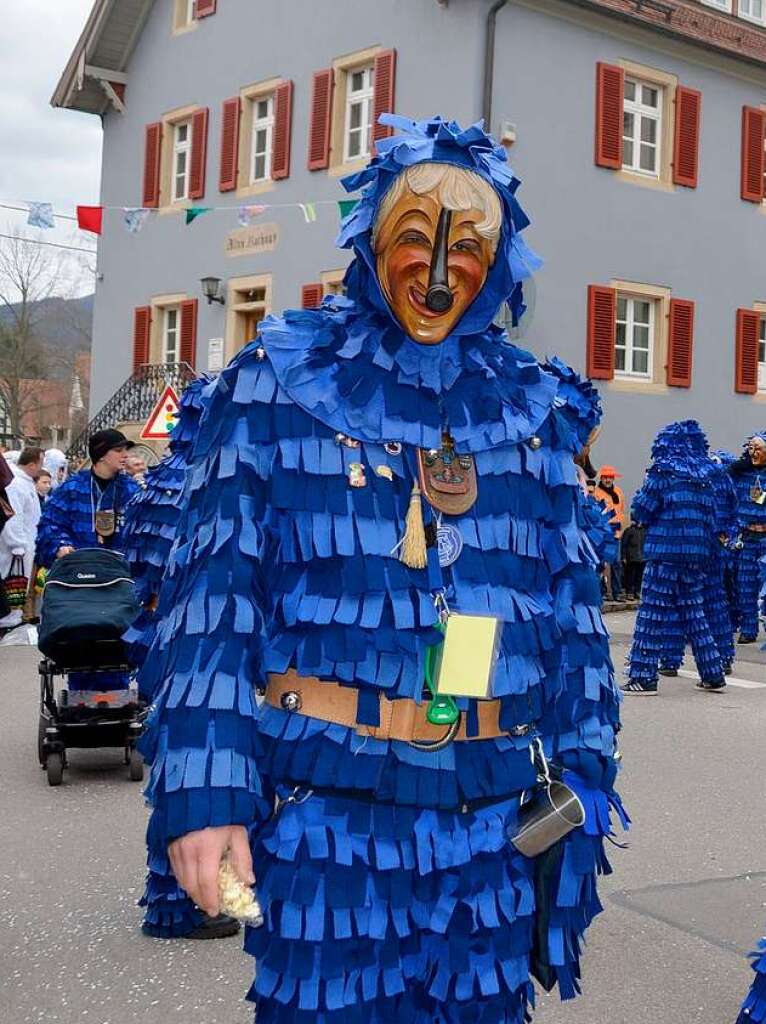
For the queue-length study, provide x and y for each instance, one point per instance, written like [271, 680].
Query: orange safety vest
[615, 501]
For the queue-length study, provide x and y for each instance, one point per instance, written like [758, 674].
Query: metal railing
[134, 401]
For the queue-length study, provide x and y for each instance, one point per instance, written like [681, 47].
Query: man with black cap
[87, 510]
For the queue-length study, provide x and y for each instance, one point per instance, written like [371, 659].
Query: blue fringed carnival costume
[677, 505]
[716, 593]
[750, 484]
[151, 521]
[390, 890]
[753, 1009]
[68, 520]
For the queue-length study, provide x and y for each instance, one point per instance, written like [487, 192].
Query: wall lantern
[211, 289]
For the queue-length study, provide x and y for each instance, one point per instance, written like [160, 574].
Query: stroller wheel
[136, 766]
[41, 727]
[54, 766]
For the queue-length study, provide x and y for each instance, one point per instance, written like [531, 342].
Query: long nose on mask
[439, 297]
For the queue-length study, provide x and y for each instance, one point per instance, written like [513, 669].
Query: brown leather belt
[401, 719]
[756, 528]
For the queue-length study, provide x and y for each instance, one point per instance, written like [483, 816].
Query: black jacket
[633, 544]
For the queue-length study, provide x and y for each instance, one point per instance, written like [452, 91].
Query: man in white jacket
[19, 535]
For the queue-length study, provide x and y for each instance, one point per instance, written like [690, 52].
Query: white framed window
[357, 135]
[181, 157]
[261, 139]
[721, 5]
[762, 355]
[752, 10]
[642, 127]
[171, 334]
[635, 339]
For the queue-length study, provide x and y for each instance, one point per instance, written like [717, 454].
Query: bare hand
[65, 550]
[196, 858]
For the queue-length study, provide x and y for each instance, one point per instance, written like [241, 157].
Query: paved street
[685, 902]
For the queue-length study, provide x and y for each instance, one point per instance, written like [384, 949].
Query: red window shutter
[227, 176]
[610, 98]
[311, 295]
[602, 332]
[746, 371]
[204, 8]
[680, 343]
[142, 324]
[384, 82]
[152, 153]
[687, 137]
[321, 118]
[283, 117]
[753, 130]
[188, 346]
[198, 153]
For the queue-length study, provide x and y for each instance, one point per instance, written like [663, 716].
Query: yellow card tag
[468, 656]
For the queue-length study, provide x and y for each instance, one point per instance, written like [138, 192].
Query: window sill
[256, 189]
[656, 184]
[182, 30]
[753, 21]
[643, 387]
[178, 206]
[350, 167]
[759, 396]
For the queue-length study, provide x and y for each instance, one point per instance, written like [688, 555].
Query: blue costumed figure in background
[677, 505]
[749, 477]
[753, 1009]
[88, 511]
[151, 521]
[716, 591]
[364, 475]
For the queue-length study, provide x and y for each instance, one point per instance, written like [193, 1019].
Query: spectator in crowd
[55, 463]
[88, 509]
[20, 531]
[43, 486]
[633, 561]
[135, 466]
[613, 499]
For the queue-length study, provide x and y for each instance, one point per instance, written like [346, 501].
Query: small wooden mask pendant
[448, 480]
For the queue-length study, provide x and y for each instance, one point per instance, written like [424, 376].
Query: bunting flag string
[91, 218]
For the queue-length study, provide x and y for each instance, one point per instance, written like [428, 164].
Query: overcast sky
[45, 154]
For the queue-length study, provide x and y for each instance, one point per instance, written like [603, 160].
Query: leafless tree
[28, 275]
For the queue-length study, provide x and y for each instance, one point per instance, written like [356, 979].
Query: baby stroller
[88, 602]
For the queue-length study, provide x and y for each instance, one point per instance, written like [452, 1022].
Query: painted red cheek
[469, 274]
[404, 262]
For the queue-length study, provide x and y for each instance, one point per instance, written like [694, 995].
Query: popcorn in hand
[237, 899]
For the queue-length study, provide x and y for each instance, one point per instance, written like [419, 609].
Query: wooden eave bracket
[107, 79]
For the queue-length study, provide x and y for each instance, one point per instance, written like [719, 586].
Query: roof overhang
[96, 73]
[691, 22]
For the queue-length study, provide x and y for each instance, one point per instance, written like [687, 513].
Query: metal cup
[551, 814]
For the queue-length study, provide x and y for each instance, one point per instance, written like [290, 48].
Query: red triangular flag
[89, 218]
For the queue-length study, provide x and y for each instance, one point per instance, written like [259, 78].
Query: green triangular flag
[346, 206]
[196, 211]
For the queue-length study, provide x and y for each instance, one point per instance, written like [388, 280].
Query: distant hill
[64, 326]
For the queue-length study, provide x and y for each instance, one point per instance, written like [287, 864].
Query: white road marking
[744, 684]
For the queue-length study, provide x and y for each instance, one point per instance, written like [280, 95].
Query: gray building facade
[668, 264]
